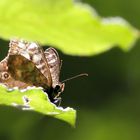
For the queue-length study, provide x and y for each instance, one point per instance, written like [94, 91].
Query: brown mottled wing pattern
[24, 70]
[6, 78]
[54, 65]
[29, 57]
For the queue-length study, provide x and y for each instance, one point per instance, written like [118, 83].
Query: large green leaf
[74, 28]
[36, 100]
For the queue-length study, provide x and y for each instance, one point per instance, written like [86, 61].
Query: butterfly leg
[58, 101]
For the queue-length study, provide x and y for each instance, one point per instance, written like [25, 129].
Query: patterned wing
[32, 57]
[25, 70]
[7, 80]
[54, 65]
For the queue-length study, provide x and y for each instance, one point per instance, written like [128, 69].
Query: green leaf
[72, 27]
[36, 100]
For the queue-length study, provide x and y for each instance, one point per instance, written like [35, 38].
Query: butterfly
[28, 65]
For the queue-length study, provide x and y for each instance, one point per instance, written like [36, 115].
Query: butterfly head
[54, 93]
[58, 89]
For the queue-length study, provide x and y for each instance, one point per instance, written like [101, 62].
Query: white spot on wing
[50, 55]
[36, 58]
[21, 45]
[26, 55]
[14, 51]
[52, 61]
[40, 66]
[32, 46]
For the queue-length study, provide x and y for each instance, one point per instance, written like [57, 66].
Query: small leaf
[36, 100]
[73, 27]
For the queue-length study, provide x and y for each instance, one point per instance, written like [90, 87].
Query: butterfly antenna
[79, 75]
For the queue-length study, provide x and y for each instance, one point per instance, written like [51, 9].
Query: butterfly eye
[5, 76]
[57, 89]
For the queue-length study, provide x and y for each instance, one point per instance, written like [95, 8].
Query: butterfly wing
[54, 64]
[6, 79]
[25, 70]
[31, 56]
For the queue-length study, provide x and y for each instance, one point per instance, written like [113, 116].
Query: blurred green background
[107, 102]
